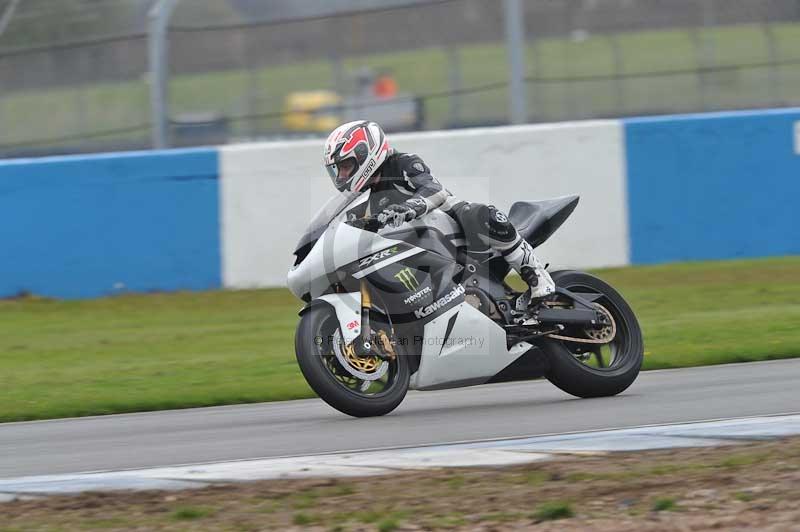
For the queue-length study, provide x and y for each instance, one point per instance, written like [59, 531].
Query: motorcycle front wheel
[595, 370]
[358, 387]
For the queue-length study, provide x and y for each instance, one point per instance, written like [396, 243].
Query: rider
[357, 156]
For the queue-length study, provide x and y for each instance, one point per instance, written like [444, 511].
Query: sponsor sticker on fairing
[440, 303]
[408, 278]
[413, 298]
[378, 256]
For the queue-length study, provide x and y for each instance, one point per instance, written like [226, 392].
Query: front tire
[313, 348]
[577, 378]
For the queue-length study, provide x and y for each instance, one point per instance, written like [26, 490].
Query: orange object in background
[385, 86]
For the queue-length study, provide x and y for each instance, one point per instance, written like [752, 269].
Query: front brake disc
[365, 368]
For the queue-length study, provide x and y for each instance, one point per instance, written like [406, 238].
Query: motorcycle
[388, 310]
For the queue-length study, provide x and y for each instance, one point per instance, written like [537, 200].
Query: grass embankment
[749, 487]
[55, 112]
[158, 351]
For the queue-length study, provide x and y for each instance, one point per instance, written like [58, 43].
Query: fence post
[5, 19]
[158, 53]
[515, 47]
[619, 74]
[537, 89]
[707, 50]
[774, 67]
[455, 82]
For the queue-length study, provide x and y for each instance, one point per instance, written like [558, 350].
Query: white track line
[367, 462]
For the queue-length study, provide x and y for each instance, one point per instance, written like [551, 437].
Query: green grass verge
[157, 351]
[48, 113]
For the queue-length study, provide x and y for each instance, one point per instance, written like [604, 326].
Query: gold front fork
[366, 300]
[364, 347]
[364, 342]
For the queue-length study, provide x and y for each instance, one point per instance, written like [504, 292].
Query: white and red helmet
[353, 153]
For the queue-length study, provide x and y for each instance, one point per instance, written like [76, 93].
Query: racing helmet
[353, 154]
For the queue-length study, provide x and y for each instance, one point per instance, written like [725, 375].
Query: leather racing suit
[406, 190]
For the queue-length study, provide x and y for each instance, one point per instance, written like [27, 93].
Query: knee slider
[497, 225]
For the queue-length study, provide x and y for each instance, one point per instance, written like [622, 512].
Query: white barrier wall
[270, 191]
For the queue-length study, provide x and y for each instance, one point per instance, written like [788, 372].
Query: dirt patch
[743, 487]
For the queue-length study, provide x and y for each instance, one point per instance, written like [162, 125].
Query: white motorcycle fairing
[458, 346]
[473, 351]
[339, 246]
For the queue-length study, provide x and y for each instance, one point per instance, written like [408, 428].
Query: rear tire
[571, 375]
[320, 323]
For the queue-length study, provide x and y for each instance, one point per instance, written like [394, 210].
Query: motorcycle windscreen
[330, 210]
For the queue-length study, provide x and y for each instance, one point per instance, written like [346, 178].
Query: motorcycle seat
[535, 221]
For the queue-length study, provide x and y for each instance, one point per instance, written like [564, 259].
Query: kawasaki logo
[407, 277]
[377, 256]
[439, 303]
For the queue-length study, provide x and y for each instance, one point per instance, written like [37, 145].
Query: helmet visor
[340, 172]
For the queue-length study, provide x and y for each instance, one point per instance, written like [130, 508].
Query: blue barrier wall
[713, 186]
[78, 227]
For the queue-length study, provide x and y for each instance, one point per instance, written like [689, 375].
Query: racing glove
[397, 214]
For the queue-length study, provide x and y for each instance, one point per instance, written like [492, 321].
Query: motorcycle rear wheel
[572, 374]
[316, 332]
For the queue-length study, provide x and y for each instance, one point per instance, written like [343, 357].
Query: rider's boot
[532, 271]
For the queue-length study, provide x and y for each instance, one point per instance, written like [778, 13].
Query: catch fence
[280, 72]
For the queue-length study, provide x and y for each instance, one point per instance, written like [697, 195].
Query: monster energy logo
[407, 277]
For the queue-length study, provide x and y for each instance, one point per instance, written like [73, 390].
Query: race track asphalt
[310, 426]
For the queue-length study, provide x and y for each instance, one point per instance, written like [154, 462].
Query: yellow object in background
[318, 111]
